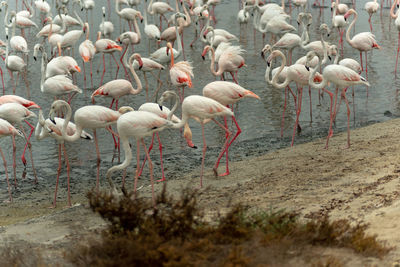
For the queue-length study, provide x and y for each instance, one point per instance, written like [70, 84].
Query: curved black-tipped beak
[262, 54]
[298, 23]
[141, 20]
[195, 147]
[345, 19]
[34, 58]
[81, 8]
[204, 58]
[307, 68]
[52, 120]
[331, 9]
[160, 107]
[328, 34]
[268, 64]
[140, 67]
[329, 57]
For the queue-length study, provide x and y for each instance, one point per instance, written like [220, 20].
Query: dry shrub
[175, 233]
[20, 254]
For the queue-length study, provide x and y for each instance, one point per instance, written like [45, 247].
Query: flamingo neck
[125, 163]
[136, 26]
[274, 81]
[312, 75]
[137, 80]
[212, 65]
[145, 13]
[43, 69]
[349, 29]
[172, 111]
[117, 9]
[150, 8]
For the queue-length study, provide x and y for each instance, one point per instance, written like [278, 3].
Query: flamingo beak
[77, 68]
[307, 68]
[161, 107]
[140, 63]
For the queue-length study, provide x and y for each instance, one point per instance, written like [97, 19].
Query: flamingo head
[206, 49]
[309, 57]
[125, 109]
[267, 48]
[187, 134]
[169, 46]
[57, 105]
[138, 58]
[165, 96]
[139, 15]
[272, 56]
[348, 13]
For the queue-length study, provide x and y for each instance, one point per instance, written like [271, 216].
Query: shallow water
[260, 120]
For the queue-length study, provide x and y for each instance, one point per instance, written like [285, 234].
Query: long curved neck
[136, 26]
[78, 131]
[43, 69]
[145, 13]
[325, 49]
[172, 111]
[76, 14]
[188, 20]
[30, 9]
[150, 8]
[137, 80]
[392, 14]
[349, 29]
[87, 31]
[6, 18]
[274, 81]
[204, 40]
[117, 8]
[14, 26]
[178, 39]
[212, 66]
[125, 163]
[336, 58]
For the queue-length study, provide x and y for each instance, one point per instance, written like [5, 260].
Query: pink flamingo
[106, 46]
[129, 14]
[15, 113]
[129, 38]
[26, 103]
[342, 77]
[363, 42]
[46, 128]
[159, 8]
[180, 72]
[227, 93]
[6, 129]
[230, 61]
[148, 66]
[120, 87]
[163, 112]
[202, 109]
[87, 52]
[371, 7]
[88, 117]
[396, 17]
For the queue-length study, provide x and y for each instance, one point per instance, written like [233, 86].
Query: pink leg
[113, 136]
[225, 147]
[369, 20]
[137, 165]
[348, 117]
[84, 76]
[183, 47]
[112, 102]
[30, 149]
[151, 172]
[204, 155]
[116, 74]
[361, 61]
[5, 170]
[161, 160]
[104, 71]
[309, 94]
[283, 113]
[366, 66]
[2, 81]
[58, 176]
[397, 55]
[68, 169]
[98, 160]
[14, 161]
[26, 145]
[147, 86]
[332, 116]
[91, 73]
[144, 161]
[123, 65]
[298, 111]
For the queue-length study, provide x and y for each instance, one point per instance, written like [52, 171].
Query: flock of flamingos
[58, 37]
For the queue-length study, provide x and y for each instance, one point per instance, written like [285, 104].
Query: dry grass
[176, 234]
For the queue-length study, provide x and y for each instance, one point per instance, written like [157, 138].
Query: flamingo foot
[162, 179]
[23, 160]
[224, 174]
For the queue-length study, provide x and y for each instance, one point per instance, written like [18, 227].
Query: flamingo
[106, 27]
[202, 109]
[152, 31]
[363, 42]
[120, 87]
[396, 18]
[15, 113]
[57, 85]
[230, 61]
[342, 77]
[180, 72]
[15, 64]
[227, 93]
[129, 14]
[29, 13]
[88, 117]
[17, 43]
[106, 46]
[87, 52]
[338, 22]
[43, 6]
[159, 8]
[371, 7]
[6, 129]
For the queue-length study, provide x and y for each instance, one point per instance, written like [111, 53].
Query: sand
[361, 184]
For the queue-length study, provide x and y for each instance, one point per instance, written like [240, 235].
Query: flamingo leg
[361, 61]
[283, 113]
[26, 145]
[5, 170]
[84, 75]
[332, 115]
[147, 86]
[144, 161]
[14, 161]
[30, 150]
[68, 176]
[137, 166]
[233, 77]
[348, 117]
[2, 81]
[151, 172]
[116, 74]
[366, 66]
[161, 160]
[104, 70]
[204, 154]
[397, 55]
[226, 144]
[98, 160]
[58, 176]
[309, 94]
[298, 111]
[123, 65]
[91, 73]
